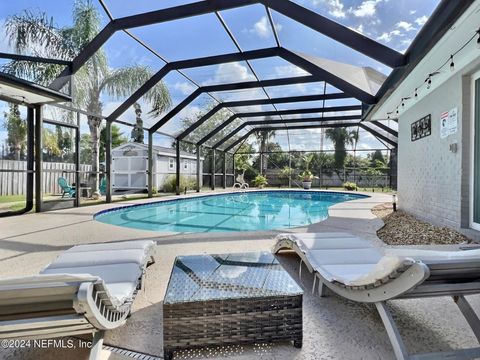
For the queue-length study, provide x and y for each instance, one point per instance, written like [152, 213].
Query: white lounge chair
[240, 182]
[359, 271]
[87, 289]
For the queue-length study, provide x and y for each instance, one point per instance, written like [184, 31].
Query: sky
[391, 22]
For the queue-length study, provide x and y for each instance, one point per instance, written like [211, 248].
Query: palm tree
[36, 32]
[341, 138]
[263, 136]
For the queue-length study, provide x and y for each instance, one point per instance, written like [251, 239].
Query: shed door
[130, 172]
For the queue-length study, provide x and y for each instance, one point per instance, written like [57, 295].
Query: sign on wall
[421, 128]
[448, 123]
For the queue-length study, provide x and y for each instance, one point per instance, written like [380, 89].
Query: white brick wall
[429, 174]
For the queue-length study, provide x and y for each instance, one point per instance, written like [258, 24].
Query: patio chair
[355, 269]
[240, 182]
[87, 289]
[65, 187]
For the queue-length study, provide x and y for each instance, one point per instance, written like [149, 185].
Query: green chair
[103, 186]
[66, 188]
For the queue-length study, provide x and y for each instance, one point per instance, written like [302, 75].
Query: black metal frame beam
[384, 127]
[296, 12]
[378, 135]
[296, 127]
[231, 87]
[338, 32]
[185, 64]
[37, 59]
[442, 19]
[288, 55]
[330, 78]
[275, 113]
[289, 121]
[240, 103]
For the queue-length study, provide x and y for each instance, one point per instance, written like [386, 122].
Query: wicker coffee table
[230, 299]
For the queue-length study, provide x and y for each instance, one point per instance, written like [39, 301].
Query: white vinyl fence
[14, 183]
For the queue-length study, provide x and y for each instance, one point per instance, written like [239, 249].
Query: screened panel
[250, 26]
[209, 125]
[237, 95]
[295, 89]
[121, 9]
[225, 73]
[391, 23]
[276, 68]
[317, 104]
[192, 37]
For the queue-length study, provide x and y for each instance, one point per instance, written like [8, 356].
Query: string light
[428, 80]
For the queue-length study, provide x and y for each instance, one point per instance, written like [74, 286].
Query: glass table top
[228, 276]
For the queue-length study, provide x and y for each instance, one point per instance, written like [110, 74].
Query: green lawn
[12, 198]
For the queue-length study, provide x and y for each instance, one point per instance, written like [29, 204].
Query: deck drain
[130, 353]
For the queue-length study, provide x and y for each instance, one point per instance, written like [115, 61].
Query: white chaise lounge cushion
[119, 265]
[345, 258]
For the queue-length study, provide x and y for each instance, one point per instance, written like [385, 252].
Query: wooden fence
[14, 183]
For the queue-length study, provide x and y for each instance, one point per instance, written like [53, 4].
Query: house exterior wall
[433, 181]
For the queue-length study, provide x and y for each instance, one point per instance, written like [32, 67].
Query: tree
[86, 143]
[376, 158]
[207, 127]
[33, 30]
[51, 150]
[16, 132]
[117, 139]
[263, 136]
[341, 138]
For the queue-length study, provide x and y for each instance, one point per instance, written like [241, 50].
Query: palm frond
[121, 83]
[36, 32]
[39, 73]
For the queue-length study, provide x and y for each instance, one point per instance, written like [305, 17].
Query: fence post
[77, 162]
[199, 171]
[212, 185]
[38, 157]
[150, 164]
[224, 169]
[177, 168]
[108, 160]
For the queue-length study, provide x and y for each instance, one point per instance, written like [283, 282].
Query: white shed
[130, 164]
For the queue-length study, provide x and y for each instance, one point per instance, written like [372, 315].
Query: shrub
[350, 186]
[260, 181]
[306, 176]
[169, 184]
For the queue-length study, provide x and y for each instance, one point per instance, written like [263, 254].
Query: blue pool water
[249, 211]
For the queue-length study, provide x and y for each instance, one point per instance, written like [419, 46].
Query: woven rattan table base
[232, 321]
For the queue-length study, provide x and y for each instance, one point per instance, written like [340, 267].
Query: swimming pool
[246, 211]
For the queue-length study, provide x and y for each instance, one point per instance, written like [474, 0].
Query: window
[185, 164]
[171, 163]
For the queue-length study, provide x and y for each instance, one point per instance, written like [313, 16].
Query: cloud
[359, 29]
[412, 12]
[366, 8]
[186, 88]
[290, 71]
[405, 26]
[230, 73]
[421, 20]
[335, 7]
[388, 36]
[263, 29]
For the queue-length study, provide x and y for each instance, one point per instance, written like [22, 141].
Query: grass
[12, 198]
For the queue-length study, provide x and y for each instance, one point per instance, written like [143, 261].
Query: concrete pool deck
[333, 327]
